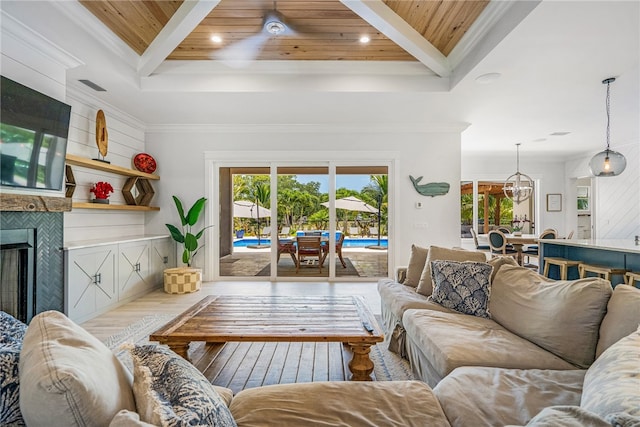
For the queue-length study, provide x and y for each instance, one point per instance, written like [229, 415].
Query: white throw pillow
[68, 377]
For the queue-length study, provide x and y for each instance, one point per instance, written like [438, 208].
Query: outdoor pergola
[487, 189]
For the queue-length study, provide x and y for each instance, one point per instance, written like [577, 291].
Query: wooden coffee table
[225, 318]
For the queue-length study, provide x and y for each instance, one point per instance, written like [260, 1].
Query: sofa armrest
[401, 274]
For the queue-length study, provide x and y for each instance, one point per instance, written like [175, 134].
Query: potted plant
[102, 190]
[185, 279]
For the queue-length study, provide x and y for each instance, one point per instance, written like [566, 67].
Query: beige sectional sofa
[531, 353]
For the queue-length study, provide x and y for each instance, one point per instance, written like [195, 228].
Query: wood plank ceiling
[323, 29]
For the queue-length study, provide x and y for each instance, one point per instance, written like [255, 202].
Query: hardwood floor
[248, 364]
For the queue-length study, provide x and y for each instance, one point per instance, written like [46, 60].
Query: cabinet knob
[165, 260]
[97, 278]
[136, 267]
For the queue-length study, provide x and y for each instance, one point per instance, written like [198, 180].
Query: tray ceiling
[324, 29]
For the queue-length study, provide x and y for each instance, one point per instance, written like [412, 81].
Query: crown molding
[289, 128]
[13, 28]
[91, 100]
[79, 15]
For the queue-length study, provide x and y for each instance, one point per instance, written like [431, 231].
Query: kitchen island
[617, 253]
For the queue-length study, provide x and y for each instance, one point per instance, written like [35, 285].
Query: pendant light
[608, 162]
[518, 187]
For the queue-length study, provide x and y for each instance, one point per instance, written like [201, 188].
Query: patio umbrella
[246, 209]
[352, 203]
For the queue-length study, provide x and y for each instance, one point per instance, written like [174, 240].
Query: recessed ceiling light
[540, 140]
[488, 78]
[365, 39]
[216, 39]
[560, 133]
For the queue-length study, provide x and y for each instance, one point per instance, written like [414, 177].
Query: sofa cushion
[170, 391]
[451, 340]
[505, 396]
[398, 298]
[68, 375]
[417, 259]
[498, 261]
[567, 416]
[622, 318]
[436, 253]
[345, 403]
[126, 418]
[462, 286]
[11, 336]
[533, 307]
[612, 383]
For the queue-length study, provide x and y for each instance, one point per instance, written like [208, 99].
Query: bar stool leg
[546, 269]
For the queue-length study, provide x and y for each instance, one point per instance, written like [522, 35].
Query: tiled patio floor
[249, 262]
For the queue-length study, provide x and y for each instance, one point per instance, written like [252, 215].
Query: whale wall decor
[431, 189]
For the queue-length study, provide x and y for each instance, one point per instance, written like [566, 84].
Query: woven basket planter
[182, 280]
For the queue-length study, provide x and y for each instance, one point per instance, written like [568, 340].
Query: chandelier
[608, 162]
[518, 187]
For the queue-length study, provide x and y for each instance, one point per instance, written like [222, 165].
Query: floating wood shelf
[107, 167]
[137, 179]
[82, 205]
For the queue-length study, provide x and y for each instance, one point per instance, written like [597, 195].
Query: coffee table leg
[361, 365]
[181, 349]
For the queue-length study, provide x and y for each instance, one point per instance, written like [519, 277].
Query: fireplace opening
[17, 266]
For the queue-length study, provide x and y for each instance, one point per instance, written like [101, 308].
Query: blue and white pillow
[11, 336]
[170, 391]
[462, 286]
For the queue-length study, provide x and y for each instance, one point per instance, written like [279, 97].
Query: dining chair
[286, 246]
[475, 241]
[504, 230]
[498, 244]
[533, 250]
[310, 247]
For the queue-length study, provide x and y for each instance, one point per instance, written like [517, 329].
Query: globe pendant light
[518, 187]
[608, 162]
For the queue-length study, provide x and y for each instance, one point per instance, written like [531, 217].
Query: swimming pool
[348, 242]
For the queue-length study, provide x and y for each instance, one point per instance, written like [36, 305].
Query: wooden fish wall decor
[431, 189]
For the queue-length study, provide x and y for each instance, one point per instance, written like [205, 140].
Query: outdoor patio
[246, 262]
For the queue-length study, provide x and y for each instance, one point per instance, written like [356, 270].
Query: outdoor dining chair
[310, 247]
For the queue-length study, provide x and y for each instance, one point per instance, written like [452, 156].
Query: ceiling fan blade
[242, 53]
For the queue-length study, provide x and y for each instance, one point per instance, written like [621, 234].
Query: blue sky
[352, 182]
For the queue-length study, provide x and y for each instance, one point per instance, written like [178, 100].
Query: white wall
[432, 154]
[549, 176]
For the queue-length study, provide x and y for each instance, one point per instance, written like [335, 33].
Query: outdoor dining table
[518, 242]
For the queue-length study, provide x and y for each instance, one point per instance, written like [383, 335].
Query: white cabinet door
[91, 280]
[134, 276]
[163, 255]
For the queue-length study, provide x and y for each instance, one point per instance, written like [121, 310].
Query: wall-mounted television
[33, 138]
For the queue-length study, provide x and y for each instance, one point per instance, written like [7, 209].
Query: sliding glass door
[279, 221]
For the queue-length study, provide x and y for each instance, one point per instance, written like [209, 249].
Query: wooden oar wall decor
[102, 136]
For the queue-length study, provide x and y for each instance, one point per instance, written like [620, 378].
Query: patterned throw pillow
[462, 286]
[11, 335]
[170, 391]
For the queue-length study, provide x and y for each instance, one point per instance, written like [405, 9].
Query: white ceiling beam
[181, 24]
[385, 20]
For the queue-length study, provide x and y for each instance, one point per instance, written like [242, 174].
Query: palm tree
[261, 193]
[380, 186]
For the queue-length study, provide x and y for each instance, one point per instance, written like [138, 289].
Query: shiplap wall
[126, 139]
[616, 201]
